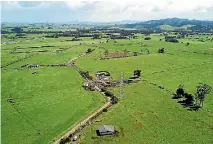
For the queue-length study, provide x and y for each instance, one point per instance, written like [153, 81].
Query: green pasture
[50, 102]
[46, 104]
[147, 115]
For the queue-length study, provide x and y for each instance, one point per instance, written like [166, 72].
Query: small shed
[106, 130]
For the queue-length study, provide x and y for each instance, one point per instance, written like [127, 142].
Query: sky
[104, 10]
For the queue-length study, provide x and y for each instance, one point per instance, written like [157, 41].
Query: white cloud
[115, 10]
[75, 4]
[8, 5]
[149, 9]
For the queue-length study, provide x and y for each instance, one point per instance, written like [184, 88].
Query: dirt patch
[138, 124]
[116, 55]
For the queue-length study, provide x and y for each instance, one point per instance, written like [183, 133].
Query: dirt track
[76, 127]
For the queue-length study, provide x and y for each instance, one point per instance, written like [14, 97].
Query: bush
[108, 94]
[85, 74]
[189, 98]
[89, 50]
[180, 91]
[114, 100]
[173, 40]
[161, 50]
[105, 110]
[147, 38]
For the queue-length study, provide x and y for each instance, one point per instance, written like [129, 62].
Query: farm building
[106, 130]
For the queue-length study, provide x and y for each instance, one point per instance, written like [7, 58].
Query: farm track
[83, 123]
[88, 119]
[78, 126]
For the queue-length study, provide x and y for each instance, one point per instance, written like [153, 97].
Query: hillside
[174, 24]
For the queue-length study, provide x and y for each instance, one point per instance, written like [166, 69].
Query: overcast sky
[105, 10]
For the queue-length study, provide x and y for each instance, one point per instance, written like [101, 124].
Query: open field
[46, 104]
[50, 102]
[147, 115]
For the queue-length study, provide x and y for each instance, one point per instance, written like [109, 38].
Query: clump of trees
[113, 98]
[64, 140]
[180, 93]
[188, 99]
[171, 39]
[85, 74]
[17, 30]
[52, 36]
[147, 38]
[96, 36]
[161, 50]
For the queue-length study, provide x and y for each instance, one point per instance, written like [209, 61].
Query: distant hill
[173, 24]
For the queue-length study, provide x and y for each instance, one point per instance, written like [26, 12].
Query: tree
[106, 52]
[161, 50]
[137, 73]
[202, 91]
[180, 91]
[188, 99]
[17, 29]
[135, 54]
[89, 50]
[147, 38]
[96, 36]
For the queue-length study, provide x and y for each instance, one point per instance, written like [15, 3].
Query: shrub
[180, 91]
[161, 50]
[105, 110]
[189, 99]
[108, 93]
[147, 38]
[114, 100]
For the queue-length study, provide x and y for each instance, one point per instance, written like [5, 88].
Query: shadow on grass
[186, 103]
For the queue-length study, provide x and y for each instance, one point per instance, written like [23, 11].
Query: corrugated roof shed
[106, 128]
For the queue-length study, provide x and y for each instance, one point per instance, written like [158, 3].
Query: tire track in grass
[24, 117]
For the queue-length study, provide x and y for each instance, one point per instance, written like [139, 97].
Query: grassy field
[50, 102]
[147, 114]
